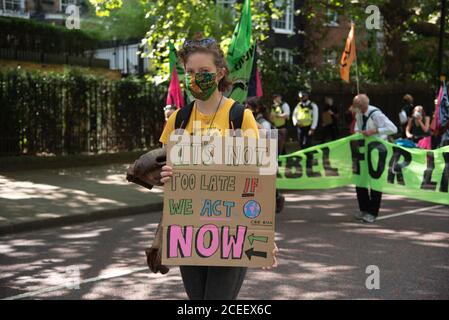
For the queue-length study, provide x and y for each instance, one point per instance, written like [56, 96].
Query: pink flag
[175, 96]
[259, 91]
[435, 125]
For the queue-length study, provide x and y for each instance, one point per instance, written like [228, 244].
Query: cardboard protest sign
[220, 213]
[369, 162]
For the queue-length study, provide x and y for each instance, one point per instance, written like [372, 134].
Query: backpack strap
[183, 116]
[371, 113]
[236, 114]
[365, 119]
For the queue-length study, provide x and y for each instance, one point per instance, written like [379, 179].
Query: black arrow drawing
[250, 252]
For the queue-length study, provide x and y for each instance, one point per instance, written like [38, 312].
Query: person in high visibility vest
[280, 113]
[305, 119]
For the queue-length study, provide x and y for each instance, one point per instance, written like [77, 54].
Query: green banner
[241, 54]
[173, 58]
[368, 162]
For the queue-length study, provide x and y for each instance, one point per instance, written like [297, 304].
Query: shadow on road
[324, 255]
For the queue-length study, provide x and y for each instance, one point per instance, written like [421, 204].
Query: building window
[66, 3]
[331, 18]
[12, 5]
[330, 57]
[226, 3]
[283, 55]
[285, 23]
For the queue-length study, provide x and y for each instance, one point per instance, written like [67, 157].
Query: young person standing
[206, 77]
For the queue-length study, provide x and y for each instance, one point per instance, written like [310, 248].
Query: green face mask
[201, 85]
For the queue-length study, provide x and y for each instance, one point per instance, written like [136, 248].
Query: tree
[407, 26]
[177, 20]
[126, 22]
[408, 29]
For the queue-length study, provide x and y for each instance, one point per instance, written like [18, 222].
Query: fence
[74, 114]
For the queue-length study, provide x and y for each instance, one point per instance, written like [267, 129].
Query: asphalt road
[324, 255]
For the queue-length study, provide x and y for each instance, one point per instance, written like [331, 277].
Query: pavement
[35, 199]
[324, 254]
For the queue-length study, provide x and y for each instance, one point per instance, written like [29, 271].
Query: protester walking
[305, 119]
[370, 121]
[280, 114]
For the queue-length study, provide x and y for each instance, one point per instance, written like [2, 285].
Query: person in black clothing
[418, 126]
[406, 113]
[329, 119]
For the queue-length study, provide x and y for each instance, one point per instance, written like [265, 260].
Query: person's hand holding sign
[166, 174]
[275, 260]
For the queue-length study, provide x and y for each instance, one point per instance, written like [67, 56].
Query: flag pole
[356, 62]
[357, 74]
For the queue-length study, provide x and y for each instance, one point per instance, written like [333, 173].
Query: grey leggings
[212, 283]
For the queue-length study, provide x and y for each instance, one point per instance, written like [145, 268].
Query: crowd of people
[419, 129]
[416, 130]
[415, 126]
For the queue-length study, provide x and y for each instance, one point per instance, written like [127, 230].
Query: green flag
[174, 62]
[241, 55]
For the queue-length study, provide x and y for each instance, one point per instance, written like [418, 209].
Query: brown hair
[258, 106]
[219, 59]
[408, 99]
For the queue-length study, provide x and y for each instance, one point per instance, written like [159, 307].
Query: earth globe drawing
[251, 209]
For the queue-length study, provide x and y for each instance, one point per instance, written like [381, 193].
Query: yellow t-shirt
[221, 122]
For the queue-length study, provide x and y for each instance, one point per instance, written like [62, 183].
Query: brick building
[48, 10]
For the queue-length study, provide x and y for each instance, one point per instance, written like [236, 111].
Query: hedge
[73, 113]
[29, 35]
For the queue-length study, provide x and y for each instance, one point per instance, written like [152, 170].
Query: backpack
[236, 114]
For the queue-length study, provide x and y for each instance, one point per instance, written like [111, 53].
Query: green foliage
[408, 27]
[282, 77]
[29, 35]
[400, 59]
[177, 20]
[126, 22]
[74, 113]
